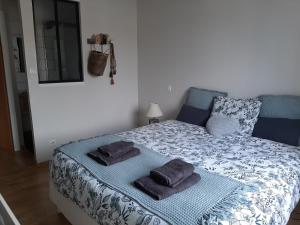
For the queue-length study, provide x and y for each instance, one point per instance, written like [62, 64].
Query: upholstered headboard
[280, 106]
[202, 98]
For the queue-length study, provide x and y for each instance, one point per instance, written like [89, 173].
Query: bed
[270, 170]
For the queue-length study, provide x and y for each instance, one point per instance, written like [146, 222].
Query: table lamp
[154, 112]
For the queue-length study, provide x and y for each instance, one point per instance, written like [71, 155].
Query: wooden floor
[24, 185]
[295, 217]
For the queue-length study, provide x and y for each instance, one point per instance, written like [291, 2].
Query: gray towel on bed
[107, 161]
[172, 173]
[159, 191]
[116, 149]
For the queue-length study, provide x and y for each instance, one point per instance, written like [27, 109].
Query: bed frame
[74, 214]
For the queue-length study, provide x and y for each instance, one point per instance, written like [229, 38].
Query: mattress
[272, 168]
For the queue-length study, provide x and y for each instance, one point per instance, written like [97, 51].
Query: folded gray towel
[116, 149]
[159, 191]
[172, 173]
[107, 161]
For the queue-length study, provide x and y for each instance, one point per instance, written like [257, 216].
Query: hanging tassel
[111, 76]
[113, 64]
[112, 81]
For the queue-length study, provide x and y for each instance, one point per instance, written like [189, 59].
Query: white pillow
[222, 126]
[245, 111]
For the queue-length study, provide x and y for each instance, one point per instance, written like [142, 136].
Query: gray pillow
[222, 126]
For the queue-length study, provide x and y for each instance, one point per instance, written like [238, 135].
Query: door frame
[6, 108]
[12, 95]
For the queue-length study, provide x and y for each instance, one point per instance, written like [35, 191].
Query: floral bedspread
[272, 168]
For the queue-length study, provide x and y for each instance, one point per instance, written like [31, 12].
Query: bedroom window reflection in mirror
[58, 41]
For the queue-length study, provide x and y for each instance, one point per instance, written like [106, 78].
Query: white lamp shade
[154, 111]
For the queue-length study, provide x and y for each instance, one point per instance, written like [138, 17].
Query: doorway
[16, 77]
[6, 140]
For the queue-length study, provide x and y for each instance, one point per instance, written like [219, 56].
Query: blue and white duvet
[273, 169]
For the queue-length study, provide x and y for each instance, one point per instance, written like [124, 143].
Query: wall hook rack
[99, 39]
[97, 59]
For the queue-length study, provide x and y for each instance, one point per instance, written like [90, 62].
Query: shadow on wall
[169, 114]
[172, 113]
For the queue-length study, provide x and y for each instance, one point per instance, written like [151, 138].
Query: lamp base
[153, 120]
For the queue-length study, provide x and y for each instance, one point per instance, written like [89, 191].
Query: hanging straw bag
[97, 62]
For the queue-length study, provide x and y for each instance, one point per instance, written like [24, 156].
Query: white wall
[244, 47]
[71, 111]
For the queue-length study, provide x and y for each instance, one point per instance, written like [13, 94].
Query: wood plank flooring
[24, 185]
[295, 217]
